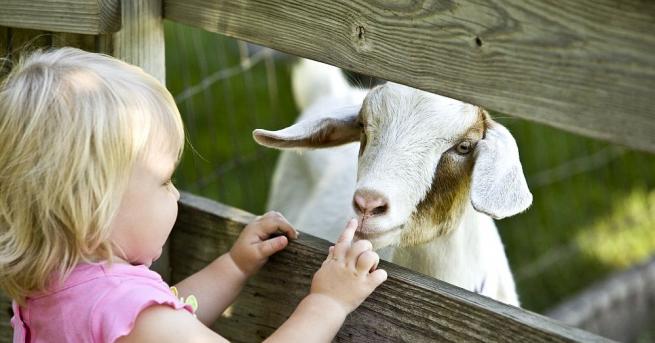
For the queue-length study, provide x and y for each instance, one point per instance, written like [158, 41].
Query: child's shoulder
[93, 286]
[110, 276]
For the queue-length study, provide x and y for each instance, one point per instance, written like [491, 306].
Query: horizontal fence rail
[584, 66]
[75, 16]
[408, 307]
[621, 306]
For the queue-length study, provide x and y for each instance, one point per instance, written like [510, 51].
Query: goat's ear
[339, 128]
[498, 187]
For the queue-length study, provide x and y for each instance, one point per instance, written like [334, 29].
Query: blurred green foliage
[594, 203]
[222, 161]
[593, 213]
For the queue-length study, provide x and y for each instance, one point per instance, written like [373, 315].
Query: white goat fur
[408, 132]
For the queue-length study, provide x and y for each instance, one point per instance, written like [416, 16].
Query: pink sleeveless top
[97, 303]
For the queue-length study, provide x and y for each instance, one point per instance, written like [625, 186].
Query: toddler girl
[87, 148]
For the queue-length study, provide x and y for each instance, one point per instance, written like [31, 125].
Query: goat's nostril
[379, 210]
[359, 203]
[370, 204]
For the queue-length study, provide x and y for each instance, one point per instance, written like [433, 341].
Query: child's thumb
[273, 245]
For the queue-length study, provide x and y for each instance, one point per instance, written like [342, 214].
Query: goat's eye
[463, 148]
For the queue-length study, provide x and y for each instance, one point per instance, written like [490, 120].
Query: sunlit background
[594, 202]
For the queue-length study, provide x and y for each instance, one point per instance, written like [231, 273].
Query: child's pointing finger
[349, 232]
[345, 240]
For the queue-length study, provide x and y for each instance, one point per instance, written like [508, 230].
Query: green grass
[589, 217]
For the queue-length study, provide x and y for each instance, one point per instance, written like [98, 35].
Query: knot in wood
[360, 40]
[360, 32]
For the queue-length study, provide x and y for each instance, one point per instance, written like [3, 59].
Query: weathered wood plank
[407, 307]
[584, 66]
[620, 306]
[76, 16]
[141, 39]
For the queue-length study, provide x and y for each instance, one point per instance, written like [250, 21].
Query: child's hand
[253, 247]
[349, 273]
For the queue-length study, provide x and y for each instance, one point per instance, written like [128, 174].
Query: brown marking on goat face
[444, 204]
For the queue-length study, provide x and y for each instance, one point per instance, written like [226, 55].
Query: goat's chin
[381, 239]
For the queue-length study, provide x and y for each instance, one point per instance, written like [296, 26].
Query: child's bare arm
[316, 319]
[163, 324]
[217, 285]
[345, 279]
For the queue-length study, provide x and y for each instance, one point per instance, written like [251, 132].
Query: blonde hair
[72, 124]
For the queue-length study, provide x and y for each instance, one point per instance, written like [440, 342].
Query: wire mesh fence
[594, 202]
[224, 90]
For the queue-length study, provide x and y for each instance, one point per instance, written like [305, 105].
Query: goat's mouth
[380, 239]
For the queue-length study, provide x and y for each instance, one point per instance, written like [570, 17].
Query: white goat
[431, 173]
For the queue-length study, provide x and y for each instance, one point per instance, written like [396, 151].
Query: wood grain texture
[620, 306]
[75, 16]
[584, 66]
[141, 39]
[408, 307]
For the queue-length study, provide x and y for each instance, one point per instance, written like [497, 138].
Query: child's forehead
[160, 145]
[163, 141]
[160, 161]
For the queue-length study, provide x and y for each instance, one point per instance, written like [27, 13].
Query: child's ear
[339, 128]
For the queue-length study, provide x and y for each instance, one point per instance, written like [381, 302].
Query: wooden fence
[584, 66]
[408, 307]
